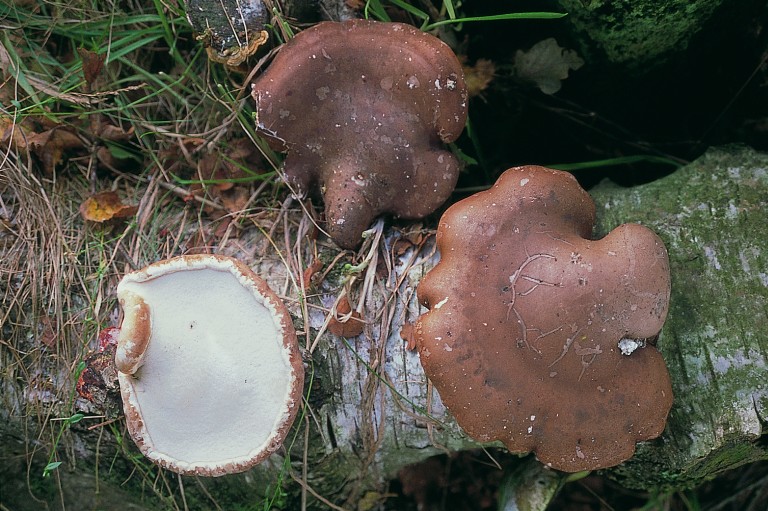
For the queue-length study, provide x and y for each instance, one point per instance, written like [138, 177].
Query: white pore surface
[216, 378]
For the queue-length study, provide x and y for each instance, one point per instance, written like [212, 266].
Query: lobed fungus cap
[209, 367]
[527, 335]
[363, 109]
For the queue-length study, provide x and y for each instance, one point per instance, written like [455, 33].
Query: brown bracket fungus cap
[363, 109]
[209, 366]
[534, 332]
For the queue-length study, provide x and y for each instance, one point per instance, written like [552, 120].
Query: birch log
[369, 409]
[713, 217]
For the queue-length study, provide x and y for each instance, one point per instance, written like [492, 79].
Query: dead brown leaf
[52, 145]
[109, 160]
[235, 199]
[239, 160]
[222, 227]
[310, 272]
[48, 337]
[105, 206]
[210, 168]
[479, 76]
[93, 64]
[356, 5]
[112, 133]
[412, 239]
[12, 133]
[350, 328]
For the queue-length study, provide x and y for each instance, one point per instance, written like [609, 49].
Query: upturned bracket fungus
[208, 363]
[363, 109]
[528, 333]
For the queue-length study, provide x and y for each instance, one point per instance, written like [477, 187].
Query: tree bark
[713, 217]
[232, 30]
[369, 409]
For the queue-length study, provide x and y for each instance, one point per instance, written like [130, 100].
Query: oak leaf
[546, 64]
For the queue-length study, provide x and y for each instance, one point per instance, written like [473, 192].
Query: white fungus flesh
[220, 380]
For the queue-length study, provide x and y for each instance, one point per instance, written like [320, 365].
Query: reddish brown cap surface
[363, 109]
[529, 321]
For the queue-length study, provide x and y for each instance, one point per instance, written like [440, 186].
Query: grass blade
[499, 17]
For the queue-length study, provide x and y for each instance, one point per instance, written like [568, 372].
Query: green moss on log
[713, 217]
[639, 33]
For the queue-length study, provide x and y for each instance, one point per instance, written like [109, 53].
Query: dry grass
[59, 271]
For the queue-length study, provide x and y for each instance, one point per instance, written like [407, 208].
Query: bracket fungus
[208, 363]
[363, 110]
[529, 322]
